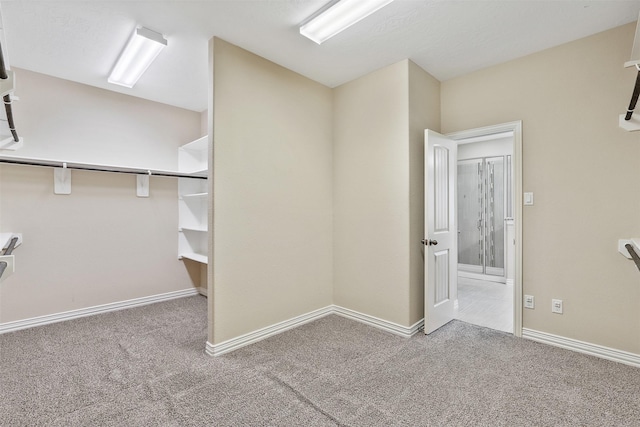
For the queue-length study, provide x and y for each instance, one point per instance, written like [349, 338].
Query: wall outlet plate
[529, 301]
[556, 306]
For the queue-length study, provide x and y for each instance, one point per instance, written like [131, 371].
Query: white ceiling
[80, 40]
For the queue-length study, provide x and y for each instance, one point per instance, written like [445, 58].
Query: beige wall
[583, 170]
[379, 123]
[272, 193]
[371, 194]
[101, 244]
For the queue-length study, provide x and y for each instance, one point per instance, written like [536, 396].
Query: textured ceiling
[80, 40]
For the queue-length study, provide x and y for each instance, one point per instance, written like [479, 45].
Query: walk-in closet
[102, 192]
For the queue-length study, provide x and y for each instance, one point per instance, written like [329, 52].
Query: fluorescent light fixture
[143, 47]
[339, 17]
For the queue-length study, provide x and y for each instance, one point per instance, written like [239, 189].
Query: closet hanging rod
[99, 168]
[7, 100]
[634, 98]
[634, 255]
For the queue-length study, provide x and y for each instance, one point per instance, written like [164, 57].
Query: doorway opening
[489, 181]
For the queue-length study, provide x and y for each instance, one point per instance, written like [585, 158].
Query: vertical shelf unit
[193, 201]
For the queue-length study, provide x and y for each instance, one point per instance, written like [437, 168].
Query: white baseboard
[583, 347]
[260, 334]
[90, 311]
[385, 325]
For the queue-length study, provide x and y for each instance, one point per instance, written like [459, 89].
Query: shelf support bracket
[62, 180]
[142, 185]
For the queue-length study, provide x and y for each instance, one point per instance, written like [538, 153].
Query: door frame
[516, 128]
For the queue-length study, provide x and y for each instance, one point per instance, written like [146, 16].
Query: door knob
[428, 242]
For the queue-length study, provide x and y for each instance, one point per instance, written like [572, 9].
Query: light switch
[528, 199]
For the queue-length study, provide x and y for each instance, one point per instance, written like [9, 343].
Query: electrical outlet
[556, 306]
[529, 301]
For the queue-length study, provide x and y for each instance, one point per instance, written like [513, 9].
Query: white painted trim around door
[90, 311]
[516, 128]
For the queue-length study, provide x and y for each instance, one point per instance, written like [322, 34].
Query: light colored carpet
[146, 367]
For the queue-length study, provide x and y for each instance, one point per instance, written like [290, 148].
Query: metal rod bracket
[630, 249]
[8, 242]
[7, 86]
[10, 143]
[631, 125]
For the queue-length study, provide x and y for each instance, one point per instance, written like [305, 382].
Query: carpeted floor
[146, 367]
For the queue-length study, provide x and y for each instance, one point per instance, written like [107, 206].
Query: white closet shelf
[193, 203]
[200, 228]
[200, 144]
[195, 257]
[195, 196]
[198, 171]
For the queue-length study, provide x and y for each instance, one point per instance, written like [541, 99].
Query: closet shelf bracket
[62, 180]
[142, 185]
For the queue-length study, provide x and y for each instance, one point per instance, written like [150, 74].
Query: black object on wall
[7, 99]
[634, 98]
[634, 255]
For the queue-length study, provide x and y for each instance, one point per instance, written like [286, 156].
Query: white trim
[516, 128]
[376, 322]
[90, 311]
[263, 333]
[583, 347]
[483, 277]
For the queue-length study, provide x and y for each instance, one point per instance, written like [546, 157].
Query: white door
[441, 254]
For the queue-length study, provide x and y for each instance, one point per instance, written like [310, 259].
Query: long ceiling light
[143, 47]
[339, 17]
